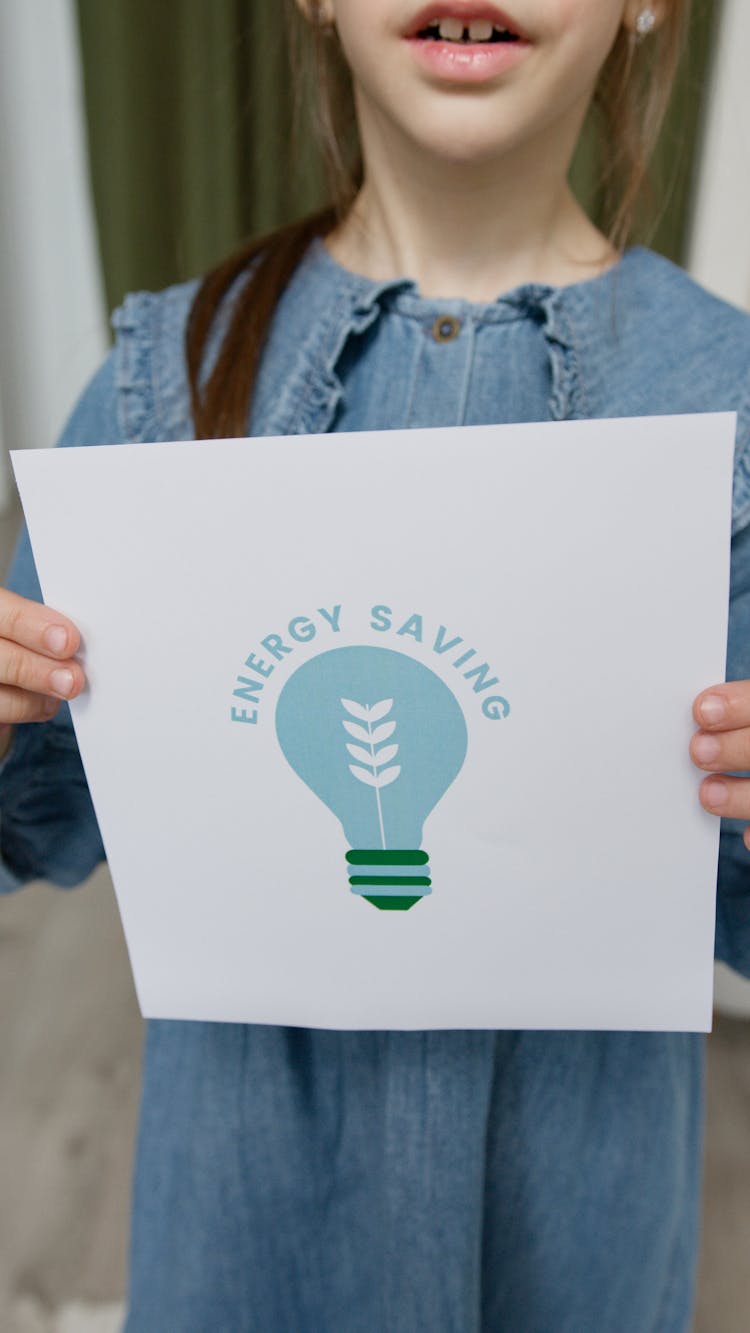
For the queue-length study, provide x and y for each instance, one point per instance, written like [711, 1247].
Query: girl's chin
[459, 149]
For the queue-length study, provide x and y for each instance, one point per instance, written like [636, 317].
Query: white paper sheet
[531, 608]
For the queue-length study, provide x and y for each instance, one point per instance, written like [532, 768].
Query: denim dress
[295, 1181]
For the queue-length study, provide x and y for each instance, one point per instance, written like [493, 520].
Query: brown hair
[629, 103]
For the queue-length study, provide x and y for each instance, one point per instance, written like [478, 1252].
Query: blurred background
[139, 142]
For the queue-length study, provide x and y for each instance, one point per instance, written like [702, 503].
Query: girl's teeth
[452, 30]
[480, 30]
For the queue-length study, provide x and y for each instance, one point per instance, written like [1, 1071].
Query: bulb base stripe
[378, 889]
[394, 904]
[413, 881]
[378, 871]
[381, 858]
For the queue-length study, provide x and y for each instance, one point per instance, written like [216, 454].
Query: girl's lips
[470, 62]
[465, 62]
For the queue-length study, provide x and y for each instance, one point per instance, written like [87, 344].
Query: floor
[69, 1078]
[69, 1075]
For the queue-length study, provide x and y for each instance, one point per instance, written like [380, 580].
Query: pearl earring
[644, 24]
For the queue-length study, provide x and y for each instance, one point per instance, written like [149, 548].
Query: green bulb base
[394, 904]
[393, 881]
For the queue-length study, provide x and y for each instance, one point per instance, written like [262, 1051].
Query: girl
[444, 1182]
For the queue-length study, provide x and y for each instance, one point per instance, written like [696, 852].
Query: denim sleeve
[733, 896]
[48, 829]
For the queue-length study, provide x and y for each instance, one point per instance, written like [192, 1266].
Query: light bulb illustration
[379, 738]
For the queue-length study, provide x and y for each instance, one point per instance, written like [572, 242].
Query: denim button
[446, 328]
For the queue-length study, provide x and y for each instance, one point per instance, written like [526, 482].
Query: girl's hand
[722, 746]
[37, 670]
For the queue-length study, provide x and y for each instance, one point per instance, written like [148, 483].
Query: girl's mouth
[469, 22]
[469, 41]
[456, 30]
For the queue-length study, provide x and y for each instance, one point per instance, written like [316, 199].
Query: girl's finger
[21, 706]
[726, 796]
[724, 707]
[720, 752]
[37, 627]
[25, 670]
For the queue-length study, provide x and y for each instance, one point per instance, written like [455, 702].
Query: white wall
[52, 317]
[719, 252]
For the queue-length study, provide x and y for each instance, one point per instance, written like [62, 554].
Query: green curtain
[189, 113]
[190, 120]
[676, 157]
[672, 171]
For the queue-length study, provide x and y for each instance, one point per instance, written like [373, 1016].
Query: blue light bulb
[379, 738]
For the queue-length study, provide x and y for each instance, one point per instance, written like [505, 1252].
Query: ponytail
[221, 400]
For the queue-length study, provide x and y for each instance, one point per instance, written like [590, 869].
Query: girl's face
[467, 81]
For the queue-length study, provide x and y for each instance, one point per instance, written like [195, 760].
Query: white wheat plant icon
[369, 766]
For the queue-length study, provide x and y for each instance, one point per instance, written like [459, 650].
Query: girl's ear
[641, 19]
[318, 12]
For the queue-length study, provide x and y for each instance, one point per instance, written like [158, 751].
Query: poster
[390, 730]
